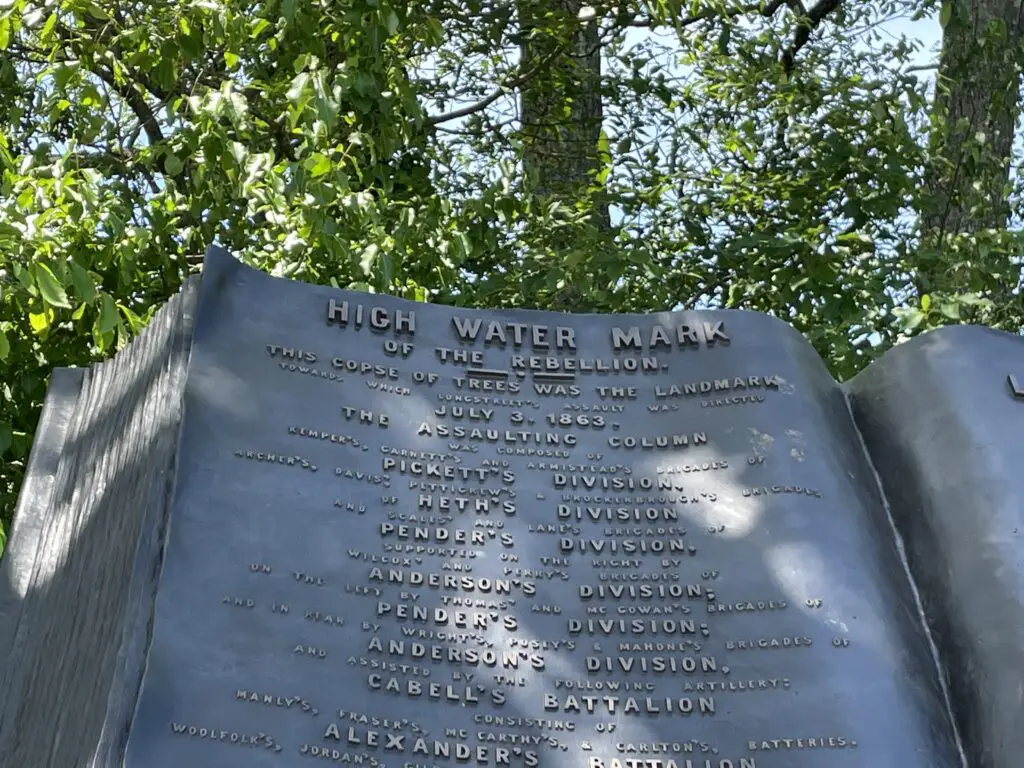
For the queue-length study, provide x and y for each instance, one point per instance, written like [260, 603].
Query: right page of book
[943, 419]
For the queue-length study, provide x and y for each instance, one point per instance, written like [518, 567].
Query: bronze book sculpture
[293, 526]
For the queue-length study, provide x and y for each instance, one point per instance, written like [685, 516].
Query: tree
[561, 113]
[974, 120]
[629, 156]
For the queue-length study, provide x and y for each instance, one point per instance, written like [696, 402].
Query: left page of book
[411, 535]
[77, 580]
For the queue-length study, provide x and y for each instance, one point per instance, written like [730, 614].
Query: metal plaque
[409, 535]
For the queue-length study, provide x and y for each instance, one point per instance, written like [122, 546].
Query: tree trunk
[974, 118]
[561, 109]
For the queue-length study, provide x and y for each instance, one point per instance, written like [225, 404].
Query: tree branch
[806, 26]
[136, 101]
[763, 9]
[507, 85]
[109, 161]
[511, 83]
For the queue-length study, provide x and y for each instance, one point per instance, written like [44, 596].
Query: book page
[943, 417]
[92, 507]
[412, 535]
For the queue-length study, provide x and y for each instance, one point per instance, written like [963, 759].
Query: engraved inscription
[546, 540]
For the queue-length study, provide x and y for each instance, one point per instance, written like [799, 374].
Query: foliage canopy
[613, 157]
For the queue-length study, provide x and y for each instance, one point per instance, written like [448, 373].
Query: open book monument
[295, 526]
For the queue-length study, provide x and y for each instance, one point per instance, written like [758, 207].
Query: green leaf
[5, 348]
[85, 288]
[134, 321]
[173, 165]
[435, 30]
[695, 231]
[230, 59]
[946, 13]
[5, 32]
[49, 287]
[236, 106]
[47, 30]
[62, 75]
[913, 320]
[40, 321]
[94, 9]
[107, 319]
[318, 164]
[91, 96]
[926, 301]
[238, 152]
[735, 294]
[298, 88]
[26, 197]
[258, 26]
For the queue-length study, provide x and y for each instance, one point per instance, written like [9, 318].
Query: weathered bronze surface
[407, 535]
[77, 580]
[944, 430]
